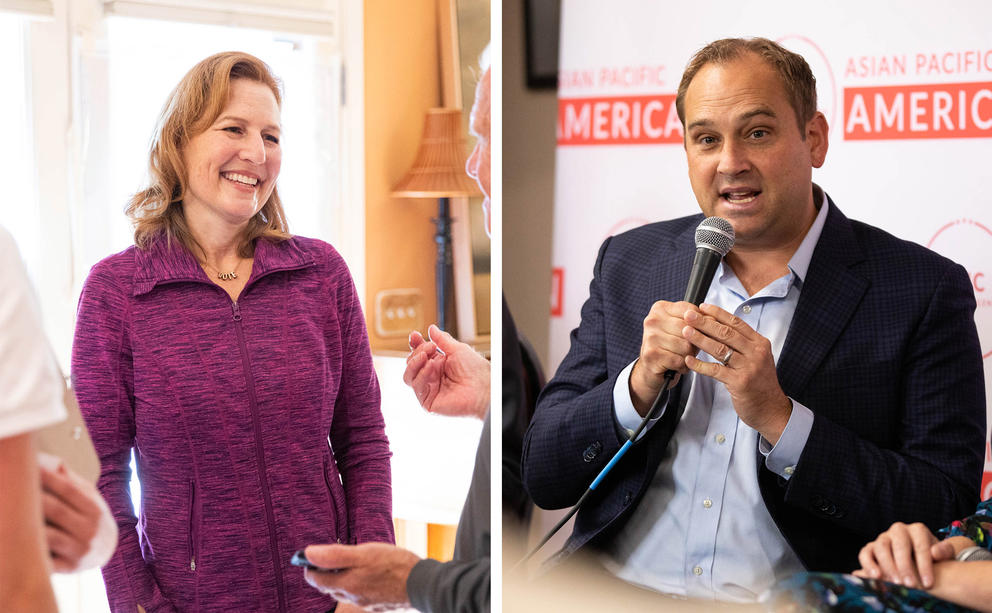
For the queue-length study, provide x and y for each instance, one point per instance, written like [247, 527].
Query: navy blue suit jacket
[882, 348]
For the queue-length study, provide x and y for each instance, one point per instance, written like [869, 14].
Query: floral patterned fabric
[837, 593]
[977, 527]
[815, 592]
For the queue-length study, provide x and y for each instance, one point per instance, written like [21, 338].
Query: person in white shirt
[78, 531]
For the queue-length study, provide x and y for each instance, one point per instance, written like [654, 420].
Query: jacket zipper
[334, 502]
[192, 539]
[260, 454]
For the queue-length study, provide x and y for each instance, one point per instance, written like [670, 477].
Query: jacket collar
[169, 261]
[830, 296]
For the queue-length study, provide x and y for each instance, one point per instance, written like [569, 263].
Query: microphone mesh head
[715, 233]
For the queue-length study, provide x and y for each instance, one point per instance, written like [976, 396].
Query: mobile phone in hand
[300, 559]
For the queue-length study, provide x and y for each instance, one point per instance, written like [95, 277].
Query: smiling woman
[228, 353]
[221, 118]
[232, 166]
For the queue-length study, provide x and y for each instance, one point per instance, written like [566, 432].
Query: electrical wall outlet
[398, 311]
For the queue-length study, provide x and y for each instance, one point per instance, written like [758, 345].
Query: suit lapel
[672, 266]
[830, 295]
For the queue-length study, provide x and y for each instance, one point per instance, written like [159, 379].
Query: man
[449, 378]
[78, 531]
[830, 384]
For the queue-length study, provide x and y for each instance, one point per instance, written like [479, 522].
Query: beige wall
[528, 187]
[401, 83]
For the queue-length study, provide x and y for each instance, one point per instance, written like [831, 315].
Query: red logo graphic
[619, 120]
[969, 243]
[557, 290]
[945, 110]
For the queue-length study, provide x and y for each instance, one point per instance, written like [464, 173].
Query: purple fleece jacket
[228, 406]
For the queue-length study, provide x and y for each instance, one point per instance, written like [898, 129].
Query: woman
[226, 351]
[906, 569]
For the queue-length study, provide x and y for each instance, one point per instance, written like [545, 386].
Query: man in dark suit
[830, 384]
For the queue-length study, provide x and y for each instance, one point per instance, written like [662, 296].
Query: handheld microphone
[714, 239]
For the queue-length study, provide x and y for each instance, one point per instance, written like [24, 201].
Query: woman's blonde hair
[191, 108]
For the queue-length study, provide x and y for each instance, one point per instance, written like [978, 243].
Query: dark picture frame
[542, 19]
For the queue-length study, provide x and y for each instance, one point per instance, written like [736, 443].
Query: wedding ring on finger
[725, 360]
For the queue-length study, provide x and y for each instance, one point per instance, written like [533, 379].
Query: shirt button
[697, 571]
[720, 439]
[790, 469]
[707, 503]
[746, 309]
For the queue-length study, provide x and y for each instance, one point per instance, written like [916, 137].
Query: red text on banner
[623, 120]
[944, 110]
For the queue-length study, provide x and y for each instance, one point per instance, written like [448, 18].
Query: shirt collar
[164, 261]
[799, 263]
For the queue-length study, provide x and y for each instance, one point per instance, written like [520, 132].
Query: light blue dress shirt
[702, 529]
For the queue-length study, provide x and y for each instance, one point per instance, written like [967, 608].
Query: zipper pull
[237, 311]
[192, 564]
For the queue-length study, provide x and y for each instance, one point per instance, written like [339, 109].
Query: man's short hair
[798, 79]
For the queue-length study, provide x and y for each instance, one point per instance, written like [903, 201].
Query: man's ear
[816, 136]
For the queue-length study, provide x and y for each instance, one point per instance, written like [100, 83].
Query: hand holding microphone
[664, 348]
[675, 332]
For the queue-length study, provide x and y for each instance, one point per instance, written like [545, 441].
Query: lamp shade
[439, 170]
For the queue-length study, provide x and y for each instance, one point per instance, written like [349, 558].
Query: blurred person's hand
[905, 555]
[79, 528]
[371, 575]
[948, 549]
[447, 376]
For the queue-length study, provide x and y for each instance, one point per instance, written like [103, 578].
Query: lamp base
[444, 269]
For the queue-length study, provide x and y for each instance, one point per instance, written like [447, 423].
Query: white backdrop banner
[908, 101]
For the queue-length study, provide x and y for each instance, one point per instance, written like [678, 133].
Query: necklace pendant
[227, 276]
